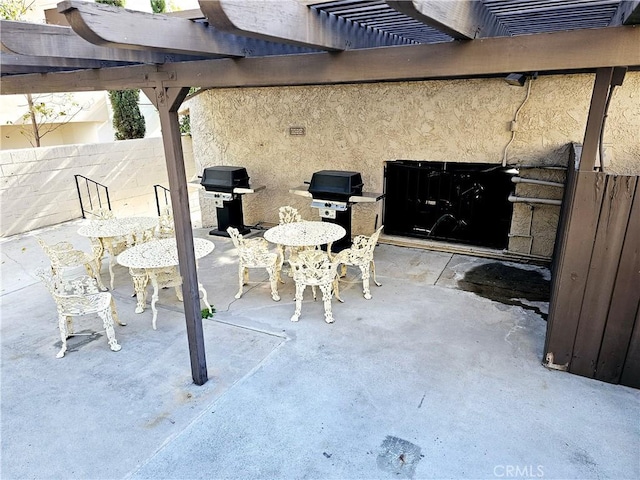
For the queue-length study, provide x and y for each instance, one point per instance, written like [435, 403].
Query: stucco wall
[359, 127]
[37, 186]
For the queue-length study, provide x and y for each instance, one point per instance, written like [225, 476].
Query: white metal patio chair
[255, 253]
[314, 268]
[289, 214]
[77, 296]
[360, 254]
[63, 256]
[166, 227]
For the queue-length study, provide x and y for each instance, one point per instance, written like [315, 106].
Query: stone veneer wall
[359, 127]
[37, 186]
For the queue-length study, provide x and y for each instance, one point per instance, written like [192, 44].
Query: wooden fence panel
[631, 371]
[561, 240]
[603, 269]
[618, 349]
[573, 267]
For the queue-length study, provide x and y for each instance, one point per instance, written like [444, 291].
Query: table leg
[97, 248]
[140, 280]
[108, 247]
[154, 299]
[280, 249]
[330, 255]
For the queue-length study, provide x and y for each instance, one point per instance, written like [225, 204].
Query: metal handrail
[165, 191]
[97, 186]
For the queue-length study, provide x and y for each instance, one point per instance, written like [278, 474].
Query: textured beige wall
[359, 127]
[37, 186]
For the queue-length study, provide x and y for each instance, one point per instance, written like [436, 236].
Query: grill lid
[335, 184]
[224, 178]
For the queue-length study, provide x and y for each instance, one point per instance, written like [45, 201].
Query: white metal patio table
[112, 235]
[157, 261]
[304, 234]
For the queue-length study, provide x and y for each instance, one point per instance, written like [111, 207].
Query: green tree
[127, 119]
[14, 9]
[115, 3]
[128, 122]
[158, 6]
[45, 114]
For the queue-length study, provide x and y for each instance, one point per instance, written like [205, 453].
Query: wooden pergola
[240, 43]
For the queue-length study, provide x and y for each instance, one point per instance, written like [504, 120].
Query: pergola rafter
[104, 25]
[462, 19]
[290, 22]
[114, 27]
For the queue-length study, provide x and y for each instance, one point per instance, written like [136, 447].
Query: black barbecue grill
[333, 193]
[224, 179]
[336, 185]
[225, 185]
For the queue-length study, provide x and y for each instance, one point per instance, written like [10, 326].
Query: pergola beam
[288, 21]
[12, 63]
[612, 46]
[110, 26]
[462, 19]
[53, 41]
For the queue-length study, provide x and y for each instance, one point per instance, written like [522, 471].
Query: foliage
[45, 114]
[128, 122]
[14, 9]
[158, 6]
[115, 3]
[205, 313]
[174, 6]
[185, 124]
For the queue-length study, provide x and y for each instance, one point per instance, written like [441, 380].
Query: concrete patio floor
[439, 375]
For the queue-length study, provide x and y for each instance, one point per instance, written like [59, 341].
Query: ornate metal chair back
[166, 227]
[101, 214]
[289, 214]
[63, 255]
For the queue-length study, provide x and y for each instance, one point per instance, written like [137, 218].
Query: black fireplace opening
[455, 202]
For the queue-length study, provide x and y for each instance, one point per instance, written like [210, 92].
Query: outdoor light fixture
[516, 79]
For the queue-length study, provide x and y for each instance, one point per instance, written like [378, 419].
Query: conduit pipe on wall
[545, 201]
[536, 182]
[514, 122]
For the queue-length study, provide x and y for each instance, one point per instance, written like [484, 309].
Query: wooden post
[167, 101]
[595, 120]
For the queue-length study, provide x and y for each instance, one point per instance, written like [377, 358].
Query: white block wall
[37, 186]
